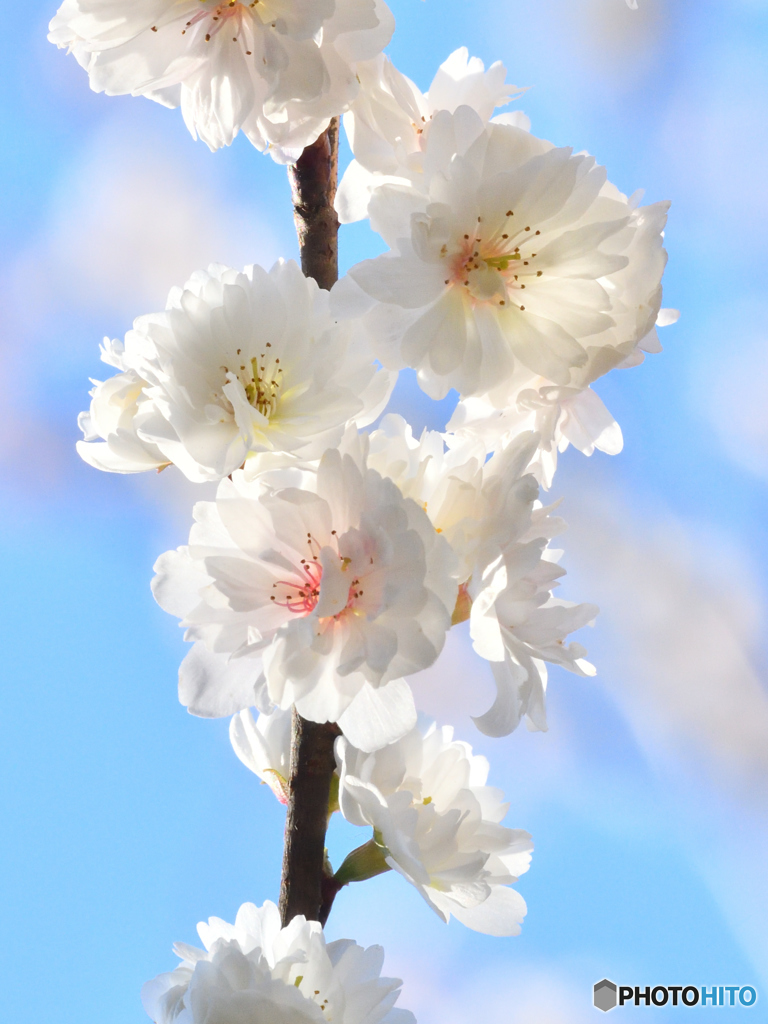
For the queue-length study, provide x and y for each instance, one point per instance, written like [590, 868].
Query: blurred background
[125, 820]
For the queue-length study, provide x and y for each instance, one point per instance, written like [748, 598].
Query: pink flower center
[504, 251]
[220, 14]
[301, 594]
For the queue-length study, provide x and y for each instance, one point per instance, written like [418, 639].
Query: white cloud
[134, 217]
[685, 621]
[730, 394]
[458, 685]
[620, 45]
[682, 624]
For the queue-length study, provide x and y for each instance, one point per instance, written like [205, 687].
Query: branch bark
[313, 186]
[305, 880]
[312, 766]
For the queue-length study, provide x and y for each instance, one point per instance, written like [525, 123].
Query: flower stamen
[300, 596]
[219, 16]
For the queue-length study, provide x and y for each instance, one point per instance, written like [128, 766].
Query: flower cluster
[340, 549]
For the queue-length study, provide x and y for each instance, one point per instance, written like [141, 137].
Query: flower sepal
[365, 862]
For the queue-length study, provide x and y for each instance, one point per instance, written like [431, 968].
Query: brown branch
[312, 767]
[304, 887]
[331, 889]
[313, 186]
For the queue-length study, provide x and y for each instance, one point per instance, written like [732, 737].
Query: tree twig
[313, 186]
[312, 766]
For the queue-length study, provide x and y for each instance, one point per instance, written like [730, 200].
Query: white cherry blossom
[439, 825]
[388, 124]
[319, 588]
[512, 262]
[518, 626]
[477, 504]
[277, 70]
[110, 426]
[515, 622]
[264, 746]
[258, 972]
[240, 362]
[488, 511]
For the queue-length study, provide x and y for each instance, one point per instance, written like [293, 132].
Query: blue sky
[127, 820]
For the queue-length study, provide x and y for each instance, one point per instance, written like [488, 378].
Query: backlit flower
[478, 505]
[110, 426]
[277, 70]
[512, 262]
[258, 972]
[488, 511]
[518, 626]
[238, 363]
[319, 588]
[388, 124]
[561, 416]
[440, 825]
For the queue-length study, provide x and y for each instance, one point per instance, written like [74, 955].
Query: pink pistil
[301, 596]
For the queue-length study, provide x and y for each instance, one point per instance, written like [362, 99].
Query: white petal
[354, 193]
[501, 914]
[212, 686]
[379, 716]
[407, 282]
[587, 424]
[503, 717]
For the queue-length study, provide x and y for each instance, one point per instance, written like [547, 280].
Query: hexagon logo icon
[605, 997]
